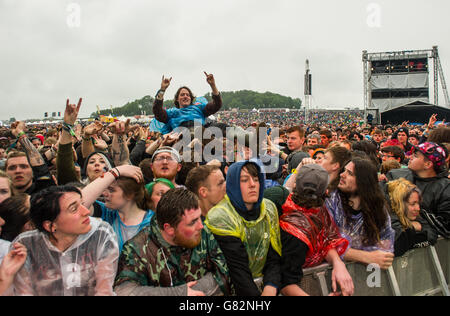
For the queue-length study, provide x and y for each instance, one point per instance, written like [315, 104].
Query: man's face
[402, 137]
[334, 136]
[377, 137]
[294, 141]
[2, 153]
[418, 162]
[165, 166]
[388, 156]
[188, 233]
[328, 164]
[184, 98]
[249, 187]
[324, 140]
[312, 141]
[413, 141]
[347, 183]
[36, 143]
[216, 187]
[389, 131]
[20, 172]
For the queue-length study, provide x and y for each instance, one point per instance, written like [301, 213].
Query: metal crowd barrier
[419, 272]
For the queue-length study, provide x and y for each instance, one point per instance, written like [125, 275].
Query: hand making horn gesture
[165, 83]
[71, 112]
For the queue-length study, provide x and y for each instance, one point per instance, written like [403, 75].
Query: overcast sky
[111, 52]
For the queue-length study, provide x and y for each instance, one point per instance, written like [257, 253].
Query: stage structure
[394, 79]
[308, 92]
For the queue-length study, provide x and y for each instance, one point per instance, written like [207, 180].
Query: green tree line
[244, 99]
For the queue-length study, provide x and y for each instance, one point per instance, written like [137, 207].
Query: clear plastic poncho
[352, 228]
[257, 236]
[86, 268]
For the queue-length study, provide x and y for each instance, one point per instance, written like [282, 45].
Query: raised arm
[216, 104]
[158, 111]
[65, 163]
[94, 189]
[87, 145]
[119, 148]
[35, 158]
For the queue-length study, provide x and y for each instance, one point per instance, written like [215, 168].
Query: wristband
[68, 128]
[160, 92]
[116, 175]
[21, 137]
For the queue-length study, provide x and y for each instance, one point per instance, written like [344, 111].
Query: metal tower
[308, 92]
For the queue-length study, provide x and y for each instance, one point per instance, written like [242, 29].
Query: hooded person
[94, 166]
[246, 226]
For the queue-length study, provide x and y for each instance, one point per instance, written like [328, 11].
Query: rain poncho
[256, 235]
[352, 228]
[315, 228]
[86, 268]
[4, 247]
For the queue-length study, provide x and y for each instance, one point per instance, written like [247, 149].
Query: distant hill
[244, 99]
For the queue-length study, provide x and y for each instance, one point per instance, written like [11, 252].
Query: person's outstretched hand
[71, 112]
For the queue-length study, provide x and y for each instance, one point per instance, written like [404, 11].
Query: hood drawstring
[167, 266]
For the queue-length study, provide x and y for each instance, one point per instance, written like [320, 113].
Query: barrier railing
[420, 272]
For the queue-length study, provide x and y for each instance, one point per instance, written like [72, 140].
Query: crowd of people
[117, 209]
[285, 118]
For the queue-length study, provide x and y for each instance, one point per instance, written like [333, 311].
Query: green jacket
[149, 260]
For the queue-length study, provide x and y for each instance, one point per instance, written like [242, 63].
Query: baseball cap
[167, 149]
[295, 158]
[435, 153]
[404, 130]
[312, 180]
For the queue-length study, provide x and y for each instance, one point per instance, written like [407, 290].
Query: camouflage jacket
[148, 260]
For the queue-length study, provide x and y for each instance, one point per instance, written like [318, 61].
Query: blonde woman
[411, 230]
